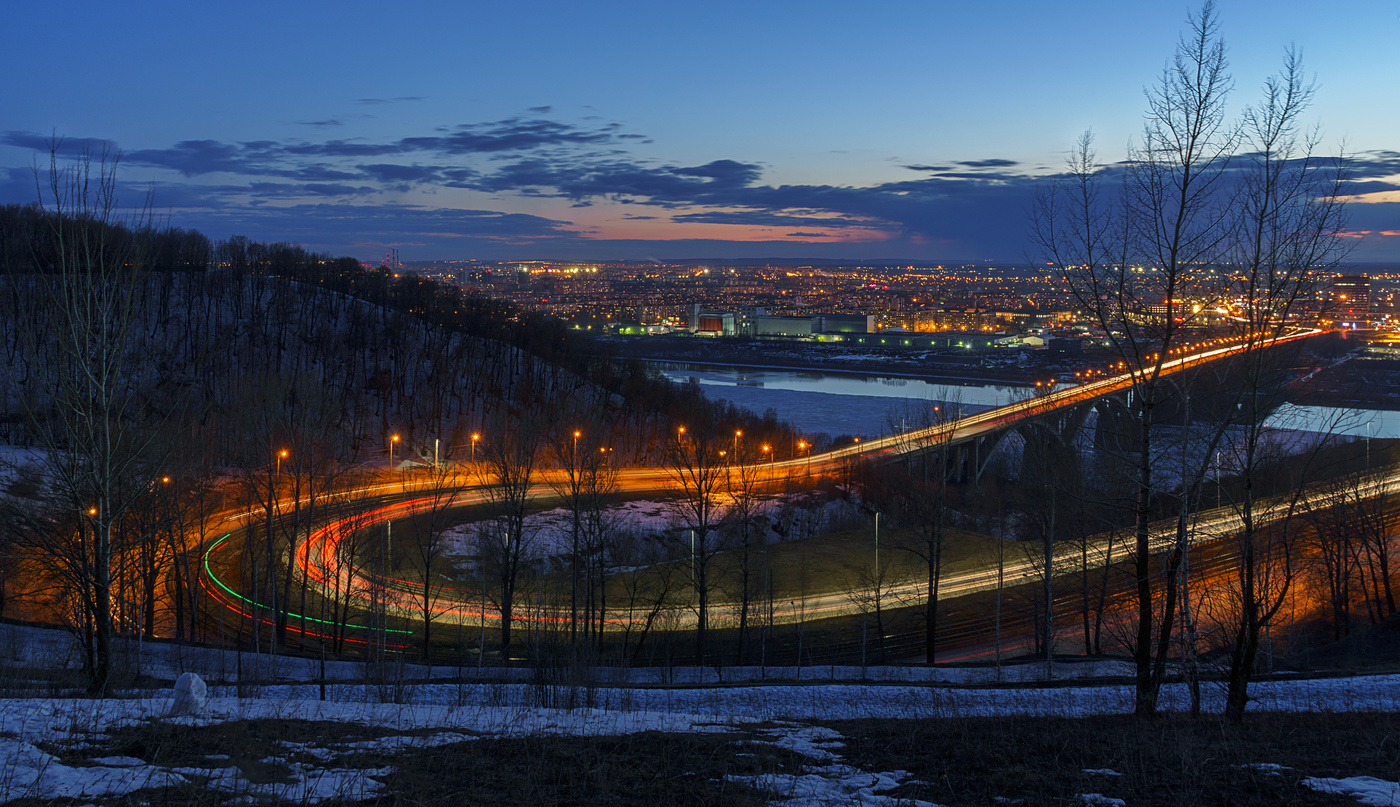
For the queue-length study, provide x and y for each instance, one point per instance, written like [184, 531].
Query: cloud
[728, 172]
[65, 147]
[765, 218]
[281, 190]
[540, 110]
[512, 134]
[393, 172]
[322, 123]
[1374, 164]
[962, 209]
[195, 157]
[340, 226]
[401, 98]
[991, 163]
[321, 160]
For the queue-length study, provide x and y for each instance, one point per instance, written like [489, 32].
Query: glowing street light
[392, 441]
[475, 437]
[281, 455]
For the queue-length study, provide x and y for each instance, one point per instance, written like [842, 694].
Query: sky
[901, 130]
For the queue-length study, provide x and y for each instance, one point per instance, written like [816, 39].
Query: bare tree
[95, 410]
[1287, 229]
[741, 487]
[510, 462]
[648, 591]
[1190, 212]
[585, 481]
[696, 466]
[918, 497]
[429, 522]
[870, 589]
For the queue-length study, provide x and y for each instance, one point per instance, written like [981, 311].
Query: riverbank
[1014, 366]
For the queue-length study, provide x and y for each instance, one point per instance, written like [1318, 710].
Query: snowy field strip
[854, 701]
[44, 648]
[34, 732]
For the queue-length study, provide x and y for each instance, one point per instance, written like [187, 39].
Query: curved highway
[323, 562]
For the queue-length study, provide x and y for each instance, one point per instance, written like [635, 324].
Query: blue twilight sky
[716, 129]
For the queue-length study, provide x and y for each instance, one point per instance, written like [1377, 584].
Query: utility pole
[877, 543]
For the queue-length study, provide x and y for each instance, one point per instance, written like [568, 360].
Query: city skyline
[908, 132]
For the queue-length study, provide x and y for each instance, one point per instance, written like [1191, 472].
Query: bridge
[972, 439]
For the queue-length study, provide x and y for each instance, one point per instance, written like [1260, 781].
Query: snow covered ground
[549, 531]
[71, 726]
[43, 742]
[60, 747]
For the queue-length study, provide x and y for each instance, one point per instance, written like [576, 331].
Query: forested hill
[253, 342]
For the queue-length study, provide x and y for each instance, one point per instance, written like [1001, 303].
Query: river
[869, 405]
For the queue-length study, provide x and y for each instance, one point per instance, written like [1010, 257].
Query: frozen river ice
[837, 403]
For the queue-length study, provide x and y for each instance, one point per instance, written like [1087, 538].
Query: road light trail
[401, 598]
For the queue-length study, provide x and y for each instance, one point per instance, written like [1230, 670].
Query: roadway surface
[323, 561]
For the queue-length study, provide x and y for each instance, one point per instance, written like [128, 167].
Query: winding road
[326, 564]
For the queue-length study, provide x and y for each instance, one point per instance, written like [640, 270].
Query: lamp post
[280, 456]
[1368, 444]
[392, 441]
[475, 436]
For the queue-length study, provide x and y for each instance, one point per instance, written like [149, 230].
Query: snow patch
[1367, 789]
[190, 695]
[832, 784]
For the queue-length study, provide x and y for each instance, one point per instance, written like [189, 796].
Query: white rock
[190, 695]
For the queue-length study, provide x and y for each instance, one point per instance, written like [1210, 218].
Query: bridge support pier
[971, 458]
[1054, 434]
[1117, 427]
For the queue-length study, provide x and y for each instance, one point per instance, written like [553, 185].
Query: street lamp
[767, 449]
[475, 436]
[280, 456]
[392, 441]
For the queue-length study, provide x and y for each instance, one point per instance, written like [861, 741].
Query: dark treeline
[156, 378]
[241, 308]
